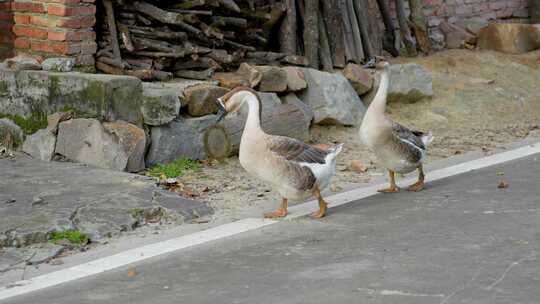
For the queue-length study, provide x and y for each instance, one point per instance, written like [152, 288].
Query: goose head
[377, 62]
[233, 100]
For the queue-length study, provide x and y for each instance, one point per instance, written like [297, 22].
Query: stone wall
[456, 11]
[6, 35]
[56, 28]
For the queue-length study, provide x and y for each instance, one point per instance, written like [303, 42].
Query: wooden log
[295, 60]
[419, 25]
[127, 15]
[199, 75]
[140, 63]
[157, 33]
[190, 4]
[230, 5]
[358, 47]
[220, 56]
[390, 40]
[410, 44]
[210, 31]
[266, 56]
[143, 20]
[112, 62]
[159, 54]
[108, 69]
[230, 21]
[126, 37]
[111, 22]
[152, 44]
[349, 49]
[200, 63]
[311, 32]
[333, 18]
[534, 11]
[239, 45]
[105, 52]
[374, 28]
[325, 55]
[288, 29]
[360, 10]
[193, 12]
[165, 17]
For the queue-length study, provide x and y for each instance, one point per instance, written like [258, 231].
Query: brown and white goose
[397, 148]
[294, 169]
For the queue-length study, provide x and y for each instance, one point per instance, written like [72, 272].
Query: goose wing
[296, 151]
[297, 159]
[410, 137]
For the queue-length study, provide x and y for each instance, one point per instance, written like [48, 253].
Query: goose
[294, 169]
[397, 148]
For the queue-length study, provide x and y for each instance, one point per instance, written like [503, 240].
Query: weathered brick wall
[6, 34]
[56, 28]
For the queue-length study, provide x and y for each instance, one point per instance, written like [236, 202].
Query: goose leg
[281, 212]
[419, 185]
[393, 187]
[322, 205]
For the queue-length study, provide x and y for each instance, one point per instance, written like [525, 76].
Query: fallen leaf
[131, 273]
[503, 185]
[358, 167]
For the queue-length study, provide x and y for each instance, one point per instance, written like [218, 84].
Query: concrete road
[462, 240]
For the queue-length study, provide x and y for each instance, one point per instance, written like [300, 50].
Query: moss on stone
[30, 125]
[3, 88]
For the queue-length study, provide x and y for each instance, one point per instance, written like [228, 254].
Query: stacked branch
[153, 39]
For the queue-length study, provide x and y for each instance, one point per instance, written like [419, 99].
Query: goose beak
[222, 112]
[370, 64]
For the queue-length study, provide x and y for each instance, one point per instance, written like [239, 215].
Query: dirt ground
[483, 101]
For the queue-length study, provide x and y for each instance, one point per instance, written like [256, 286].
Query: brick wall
[56, 28]
[6, 35]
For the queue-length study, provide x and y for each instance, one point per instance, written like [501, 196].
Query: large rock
[360, 79]
[332, 98]
[86, 141]
[251, 73]
[198, 138]
[296, 80]
[133, 142]
[510, 38]
[231, 80]
[161, 104]
[182, 137]
[11, 135]
[106, 97]
[274, 79]
[408, 83]
[55, 119]
[40, 145]
[97, 202]
[58, 64]
[23, 62]
[201, 99]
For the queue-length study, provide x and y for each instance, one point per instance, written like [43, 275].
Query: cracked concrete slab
[38, 197]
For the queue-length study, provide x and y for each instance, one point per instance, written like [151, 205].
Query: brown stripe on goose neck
[227, 96]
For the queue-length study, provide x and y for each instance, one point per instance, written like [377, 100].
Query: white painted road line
[142, 253]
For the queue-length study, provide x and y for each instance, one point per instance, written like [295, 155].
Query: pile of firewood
[159, 39]
[331, 33]
[153, 39]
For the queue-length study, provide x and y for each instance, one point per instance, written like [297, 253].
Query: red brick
[6, 26]
[7, 39]
[41, 46]
[42, 20]
[85, 60]
[63, 36]
[87, 21]
[61, 1]
[32, 7]
[6, 16]
[65, 48]
[29, 31]
[71, 22]
[88, 48]
[65, 10]
[61, 10]
[22, 19]
[22, 43]
[5, 6]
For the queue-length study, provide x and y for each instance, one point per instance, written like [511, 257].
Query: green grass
[175, 168]
[73, 236]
